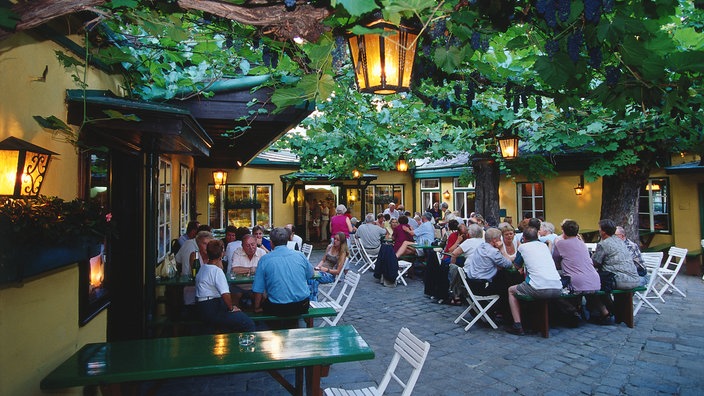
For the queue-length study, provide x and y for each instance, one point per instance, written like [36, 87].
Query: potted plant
[246, 203]
[38, 235]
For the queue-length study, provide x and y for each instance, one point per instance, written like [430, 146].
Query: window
[185, 214]
[531, 200]
[429, 193]
[164, 218]
[464, 198]
[378, 197]
[654, 206]
[241, 205]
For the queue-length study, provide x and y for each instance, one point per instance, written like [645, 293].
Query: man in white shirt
[297, 241]
[391, 211]
[244, 261]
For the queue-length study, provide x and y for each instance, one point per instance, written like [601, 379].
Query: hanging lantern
[401, 165]
[356, 174]
[23, 167]
[508, 146]
[579, 190]
[383, 62]
[219, 178]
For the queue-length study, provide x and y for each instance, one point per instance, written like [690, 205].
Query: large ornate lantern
[383, 61]
[508, 146]
[219, 178]
[23, 167]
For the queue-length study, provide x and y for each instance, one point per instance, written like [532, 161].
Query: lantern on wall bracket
[356, 174]
[219, 178]
[508, 146]
[579, 190]
[23, 167]
[446, 194]
[401, 164]
[382, 56]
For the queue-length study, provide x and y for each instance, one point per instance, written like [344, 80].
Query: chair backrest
[306, 249]
[369, 261]
[675, 259]
[326, 290]
[412, 350]
[591, 247]
[652, 260]
[344, 297]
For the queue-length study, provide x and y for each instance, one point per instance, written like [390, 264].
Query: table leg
[313, 374]
[623, 305]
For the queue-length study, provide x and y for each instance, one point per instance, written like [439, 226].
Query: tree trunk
[486, 172]
[619, 198]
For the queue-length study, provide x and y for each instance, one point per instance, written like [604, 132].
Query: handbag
[608, 281]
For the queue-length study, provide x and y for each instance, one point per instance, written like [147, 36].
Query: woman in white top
[214, 302]
[510, 244]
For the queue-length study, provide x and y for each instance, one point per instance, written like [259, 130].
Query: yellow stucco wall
[39, 320]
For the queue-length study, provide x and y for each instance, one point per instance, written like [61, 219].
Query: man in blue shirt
[425, 233]
[283, 274]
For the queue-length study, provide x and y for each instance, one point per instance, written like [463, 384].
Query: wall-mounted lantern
[579, 190]
[383, 60]
[356, 174]
[23, 167]
[508, 146]
[219, 178]
[446, 194]
[401, 164]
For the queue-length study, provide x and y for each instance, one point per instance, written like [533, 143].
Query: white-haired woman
[340, 222]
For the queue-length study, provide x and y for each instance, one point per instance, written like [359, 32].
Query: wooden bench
[623, 308]
[663, 247]
[693, 263]
[194, 327]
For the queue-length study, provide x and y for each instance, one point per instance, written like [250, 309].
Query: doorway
[320, 202]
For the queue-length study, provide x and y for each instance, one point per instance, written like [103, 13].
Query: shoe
[516, 330]
[607, 320]
[455, 301]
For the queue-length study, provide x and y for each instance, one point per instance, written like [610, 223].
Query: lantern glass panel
[8, 164]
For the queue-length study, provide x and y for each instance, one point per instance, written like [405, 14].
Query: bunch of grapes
[470, 94]
[475, 40]
[339, 53]
[574, 45]
[547, 9]
[552, 47]
[458, 91]
[539, 103]
[507, 94]
[612, 75]
[485, 44]
[595, 57]
[516, 103]
[290, 5]
[563, 9]
[269, 58]
[592, 10]
[439, 29]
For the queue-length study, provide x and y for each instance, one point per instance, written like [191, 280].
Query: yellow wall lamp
[579, 190]
[219, 178]
[23, 167]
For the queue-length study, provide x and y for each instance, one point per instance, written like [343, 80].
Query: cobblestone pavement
[663, 354]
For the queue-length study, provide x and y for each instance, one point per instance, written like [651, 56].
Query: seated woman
[258, 232]
[214, 302]
[332, 263]
[458, 233]
[403, 238]
[510, 243]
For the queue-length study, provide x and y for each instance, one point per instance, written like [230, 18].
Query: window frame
[219, 218]
[185, 202]
[164, 225]
[650, 194]
[537, 213]
[429, 194]
[371, 193]
[460, 195]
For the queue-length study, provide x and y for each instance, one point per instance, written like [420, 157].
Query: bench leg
[536, 316]
[623, 307]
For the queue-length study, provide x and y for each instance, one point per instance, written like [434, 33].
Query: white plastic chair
[355, 253]
[307, 249]
[482, 312]
[591, 247]
[403, 267]
[325, 290]
[369, 260]
[412, 350]
[652, 263]
[669, 270]
[342, 300]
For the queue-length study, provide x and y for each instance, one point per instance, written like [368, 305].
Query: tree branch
[35, 13]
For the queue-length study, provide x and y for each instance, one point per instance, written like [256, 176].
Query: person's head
[607, 226]
[205, 227]
[202, 238]
[570, 228]
[620, 232]
[403, 219]
[546, 228]
[380, 218]
[340, 209]
[279, 236]
[241, 232]
[436, 205]
[491, 221]
[492, 236]
[444, 206]
[530, 234]
[369, 218]
[214, 248]
[387, 217]
[523, 225]
[508, 219]
[474, 231]
[479, 218]
[462, 229]
[393, 222]
[453, 224]
[534, 222]
[192, 229]
[258, 232]
[427, 216]
[392, 206]
[291, 228]
[249, 245]
[401, 209]
[507, 231]
[230, 233]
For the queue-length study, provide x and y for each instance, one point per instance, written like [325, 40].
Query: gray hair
[475, 230]
[279, 236]
[428, 216]
[491, 234]
[340, 209]
[444, 205]
[549, 227]
[201, 235]
[369, 218]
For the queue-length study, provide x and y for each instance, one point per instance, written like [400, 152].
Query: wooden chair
[325, 290]
[652, 263]
[307, 249]
[482, 312]
[342, 300]
[669, 270]
[407, 347]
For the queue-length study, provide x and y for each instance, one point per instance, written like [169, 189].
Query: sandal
[455, 301]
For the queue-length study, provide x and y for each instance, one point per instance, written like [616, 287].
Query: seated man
[482, 268]
[636, 254]
[370, 235]
[425, 233]
[296, 242]
[283, 275]
[542, 278]
[244, 262]
[463, 251]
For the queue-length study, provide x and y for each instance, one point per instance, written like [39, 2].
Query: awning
[689, 167]
[292, 179]
[154, 128]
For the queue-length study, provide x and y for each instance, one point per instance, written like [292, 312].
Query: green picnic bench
[663, 247]
[193, 326]
[537, 309]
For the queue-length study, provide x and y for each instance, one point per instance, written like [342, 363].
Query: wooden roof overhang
[290, 180]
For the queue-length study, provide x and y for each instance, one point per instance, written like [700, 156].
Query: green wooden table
[190, 281]
[120, 366]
